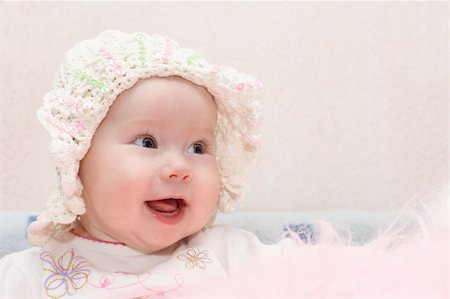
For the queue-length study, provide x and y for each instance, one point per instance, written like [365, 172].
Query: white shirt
[74, 267]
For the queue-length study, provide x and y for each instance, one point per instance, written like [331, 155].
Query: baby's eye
[196, 148]
[146, 141]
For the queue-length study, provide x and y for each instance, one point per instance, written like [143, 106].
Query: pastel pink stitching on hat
[64, 127]
[167, 50]
[120, 70]
[70, 102]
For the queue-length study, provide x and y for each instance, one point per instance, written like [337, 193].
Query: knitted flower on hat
[95, 71]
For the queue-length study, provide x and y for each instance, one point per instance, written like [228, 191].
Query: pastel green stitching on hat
[193, 58]
[141, 49]
[91, 81]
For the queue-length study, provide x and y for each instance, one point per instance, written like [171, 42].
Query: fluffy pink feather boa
[395, 265]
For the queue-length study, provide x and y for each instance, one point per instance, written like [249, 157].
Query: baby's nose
[177, 170]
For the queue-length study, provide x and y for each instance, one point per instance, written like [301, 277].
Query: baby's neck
[79, 231]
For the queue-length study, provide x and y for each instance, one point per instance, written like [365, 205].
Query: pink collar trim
[95, 240]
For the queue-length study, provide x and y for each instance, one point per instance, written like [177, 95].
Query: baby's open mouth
[166, 207]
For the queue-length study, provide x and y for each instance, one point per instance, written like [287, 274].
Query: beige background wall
[356, 94]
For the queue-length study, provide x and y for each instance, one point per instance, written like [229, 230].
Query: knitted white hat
[95, 71]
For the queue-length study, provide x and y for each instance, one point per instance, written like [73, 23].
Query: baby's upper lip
[171, 196]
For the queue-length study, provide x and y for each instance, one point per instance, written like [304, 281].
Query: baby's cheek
[210, 181]
[132, 176]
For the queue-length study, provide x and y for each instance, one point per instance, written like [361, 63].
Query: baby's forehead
[163, 93]
[164, 102]
[169, 84]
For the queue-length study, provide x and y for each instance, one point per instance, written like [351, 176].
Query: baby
[149, 140]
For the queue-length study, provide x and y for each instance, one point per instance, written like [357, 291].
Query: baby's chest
[68, 274]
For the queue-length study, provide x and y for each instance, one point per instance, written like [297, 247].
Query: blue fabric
[13, 231]
[269, 227]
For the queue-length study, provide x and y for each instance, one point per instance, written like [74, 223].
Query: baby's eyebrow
[145, 123]
[138, 122]
[203, 131]
[207, 131]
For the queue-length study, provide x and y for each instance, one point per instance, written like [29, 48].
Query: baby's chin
[163, 245]
[167, 242]
[156, 238]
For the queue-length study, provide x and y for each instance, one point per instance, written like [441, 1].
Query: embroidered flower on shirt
[67, 275]
[195, 258]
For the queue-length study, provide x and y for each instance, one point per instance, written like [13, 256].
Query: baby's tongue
[163, 205]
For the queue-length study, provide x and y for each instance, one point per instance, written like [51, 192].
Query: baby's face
[150, 177]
